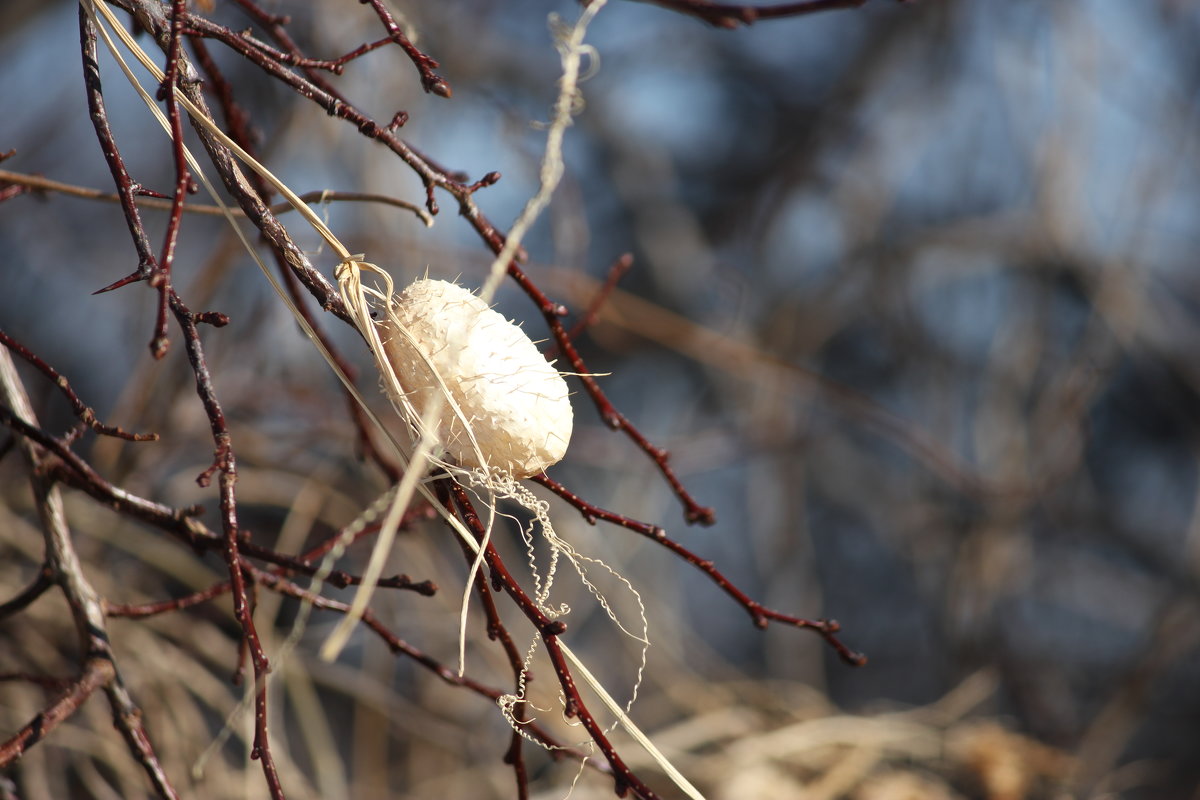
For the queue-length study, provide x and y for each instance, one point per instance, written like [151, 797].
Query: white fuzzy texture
[515, 401]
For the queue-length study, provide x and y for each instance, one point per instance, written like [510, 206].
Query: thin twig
[730, 15]
[97, 672]
[615, 273]
[321, 196]
[30, 593]
[161, 278]
[760, 614]
[693, 511]
[430, 81]
[87, 416]
[126, 188]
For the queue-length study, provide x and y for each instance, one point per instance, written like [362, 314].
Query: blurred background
[913, 306]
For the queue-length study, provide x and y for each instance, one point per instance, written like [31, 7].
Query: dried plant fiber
[513, 399]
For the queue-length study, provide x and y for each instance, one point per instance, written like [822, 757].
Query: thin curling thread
[501, 486]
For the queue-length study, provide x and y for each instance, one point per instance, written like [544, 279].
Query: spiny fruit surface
[515, 400]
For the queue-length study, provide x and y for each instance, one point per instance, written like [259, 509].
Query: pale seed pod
[515, 402]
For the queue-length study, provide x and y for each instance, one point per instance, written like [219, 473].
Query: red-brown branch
[693, 511]
[431, 82]
[87, 416]
[730, 15]
[827, 629]
[96, 673]
[615, 273]
[30, 593]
